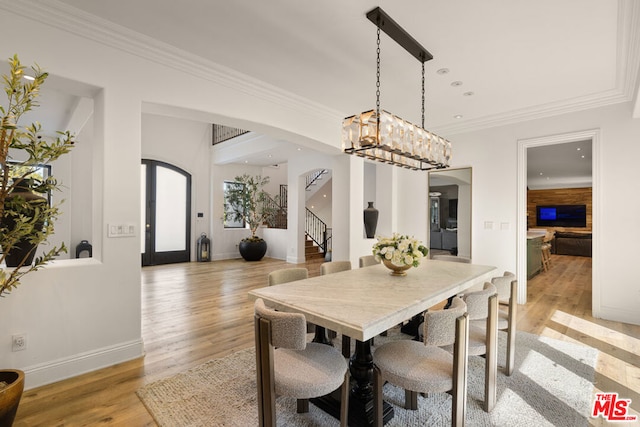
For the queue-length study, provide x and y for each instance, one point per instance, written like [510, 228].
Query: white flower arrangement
[400, 250]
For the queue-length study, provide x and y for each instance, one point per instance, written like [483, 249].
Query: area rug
[552, 385]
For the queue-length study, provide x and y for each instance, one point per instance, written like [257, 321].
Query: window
[229, 221]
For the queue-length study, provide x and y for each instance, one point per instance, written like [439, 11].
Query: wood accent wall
[561, 196]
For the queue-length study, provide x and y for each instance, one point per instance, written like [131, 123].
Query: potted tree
[26, 217]
[250, 203]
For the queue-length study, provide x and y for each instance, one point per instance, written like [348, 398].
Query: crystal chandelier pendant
[379, 135]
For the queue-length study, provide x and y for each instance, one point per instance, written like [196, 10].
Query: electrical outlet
[19, 342]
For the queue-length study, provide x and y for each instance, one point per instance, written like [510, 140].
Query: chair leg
[460, 367]
[377, 397]
[302, 406]
[344, 404]
[491, 362]
[264, 372]
[411, 400]
[511, 330]
[346, 346]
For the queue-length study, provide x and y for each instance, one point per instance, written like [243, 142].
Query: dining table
[362, 303]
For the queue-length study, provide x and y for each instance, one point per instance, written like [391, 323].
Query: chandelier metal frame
[381, 136]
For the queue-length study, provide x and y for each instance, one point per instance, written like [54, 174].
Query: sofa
[571, 243]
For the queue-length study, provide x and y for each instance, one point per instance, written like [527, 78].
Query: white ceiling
[522, 59]
[559, 166]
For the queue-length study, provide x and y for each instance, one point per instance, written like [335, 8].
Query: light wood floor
[195, 312]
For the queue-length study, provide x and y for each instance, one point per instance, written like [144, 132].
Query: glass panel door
[166, 191]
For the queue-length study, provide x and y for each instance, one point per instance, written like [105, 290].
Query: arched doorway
[166, 213]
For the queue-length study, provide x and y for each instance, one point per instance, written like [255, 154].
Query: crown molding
[626, 85]
[610, 97]
[69, 19]
[64, 17]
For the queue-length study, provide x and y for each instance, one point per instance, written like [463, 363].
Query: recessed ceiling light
[468, 94]
[579, 148]
[540, 173]
[28, 77]
[457, 116]
[582, 156]
[299, 149]
[270, 156]
[456, 83]
[443, 71]
[324, 195]
[246, 161]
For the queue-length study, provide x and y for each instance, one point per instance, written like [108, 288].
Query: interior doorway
[166, 213]
[590, 137]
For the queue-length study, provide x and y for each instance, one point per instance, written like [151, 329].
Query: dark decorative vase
[252, 250]
[10, 395]
[370, 220]
[23, 249]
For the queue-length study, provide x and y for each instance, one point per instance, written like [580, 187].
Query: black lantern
[204, 248]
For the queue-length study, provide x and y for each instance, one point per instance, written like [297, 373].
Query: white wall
[68, 310]
[493, 155]
[185, 144]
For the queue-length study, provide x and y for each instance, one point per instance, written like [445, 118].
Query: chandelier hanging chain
[423, 95]
[379, 135]
[378, 77]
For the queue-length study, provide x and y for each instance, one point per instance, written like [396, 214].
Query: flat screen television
[561, 215]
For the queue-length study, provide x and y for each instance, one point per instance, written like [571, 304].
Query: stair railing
[279, 217]
[316, 229]
[313, 177]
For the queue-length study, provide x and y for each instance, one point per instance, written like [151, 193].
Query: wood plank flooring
[195, 312]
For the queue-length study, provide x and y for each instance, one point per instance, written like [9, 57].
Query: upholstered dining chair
[330, 268]
[287, 365]
[507, 287]
[334, 267]
[367, 260]
[425, 367]
[482, 307]
[285, 275]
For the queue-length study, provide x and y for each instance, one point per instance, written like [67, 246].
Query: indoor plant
[247, 201]
[26, 219]
[399, 252]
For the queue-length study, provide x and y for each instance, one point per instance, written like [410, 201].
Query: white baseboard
[618, 315]
[61, 369]
[295, 260]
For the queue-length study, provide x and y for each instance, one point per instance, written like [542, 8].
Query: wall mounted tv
[561, 215]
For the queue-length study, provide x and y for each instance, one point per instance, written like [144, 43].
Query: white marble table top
[364, 302]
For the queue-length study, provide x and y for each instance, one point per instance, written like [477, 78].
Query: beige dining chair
[334, 267]
[285, 275]
[482, 307]
[287, 365]
[425, 367]
[507, 287]
[330, 268]
[367, 261]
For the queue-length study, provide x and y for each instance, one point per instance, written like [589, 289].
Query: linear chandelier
[385, 137]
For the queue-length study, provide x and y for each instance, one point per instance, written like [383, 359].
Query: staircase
[311, 250]
[317, 236]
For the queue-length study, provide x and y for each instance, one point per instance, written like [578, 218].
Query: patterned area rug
[552, 385]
